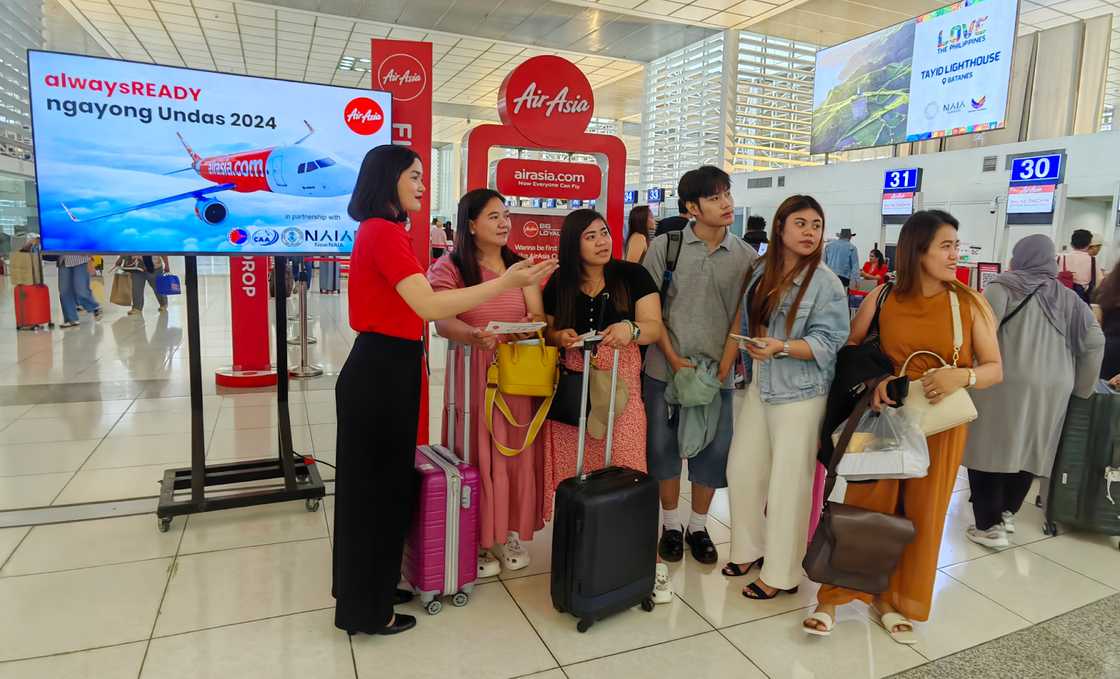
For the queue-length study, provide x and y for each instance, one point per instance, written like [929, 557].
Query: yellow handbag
[521, 370]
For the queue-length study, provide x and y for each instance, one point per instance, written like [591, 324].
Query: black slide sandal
[733, 570]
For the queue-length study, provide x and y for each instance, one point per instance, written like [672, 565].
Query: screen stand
[300, 476]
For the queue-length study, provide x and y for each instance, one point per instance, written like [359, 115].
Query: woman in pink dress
[511, 486]
[592, 291]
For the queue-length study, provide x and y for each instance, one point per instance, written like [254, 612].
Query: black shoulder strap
[873, 329]
[1019, 308]
[672, 254]
[845, 438]
[1092, 273]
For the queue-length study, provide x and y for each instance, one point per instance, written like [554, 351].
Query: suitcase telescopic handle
[450, 402]
[589, 349]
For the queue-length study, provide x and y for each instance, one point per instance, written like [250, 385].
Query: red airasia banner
[547, 99]
[535, 235]
[404, 69]
[252, 357]
[548, 179]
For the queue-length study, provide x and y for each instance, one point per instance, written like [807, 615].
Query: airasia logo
[364, 116]
[548, 99]
[530, 229]
[403, 75]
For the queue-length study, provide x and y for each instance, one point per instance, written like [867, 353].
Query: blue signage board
[631, 197]
[656, 195]
[908, 179]
[1043, 169]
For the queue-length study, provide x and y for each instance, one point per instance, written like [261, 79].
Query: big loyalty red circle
[548, 99]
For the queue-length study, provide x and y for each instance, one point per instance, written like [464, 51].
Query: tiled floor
[246, 593]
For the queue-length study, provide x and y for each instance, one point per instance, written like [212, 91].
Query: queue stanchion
[305, 367]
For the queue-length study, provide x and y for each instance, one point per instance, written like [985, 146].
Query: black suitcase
[1085, 482]
[604, 539]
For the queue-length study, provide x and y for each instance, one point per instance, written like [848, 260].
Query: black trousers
[847, 282]
[378, 406]
[994, 493]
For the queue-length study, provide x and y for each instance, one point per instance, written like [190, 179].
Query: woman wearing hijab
[1052, 347]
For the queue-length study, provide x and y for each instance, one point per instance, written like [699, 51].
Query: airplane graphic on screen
[294, 169]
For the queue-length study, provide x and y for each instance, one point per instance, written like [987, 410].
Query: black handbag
[853, 547]
[566, 402]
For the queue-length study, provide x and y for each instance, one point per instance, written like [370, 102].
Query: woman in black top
[592, 291]
[1108, 298]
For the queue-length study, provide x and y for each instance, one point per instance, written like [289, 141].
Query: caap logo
[978, 104]
[265, 237]
[364, 116]
[292, 237]
[238, 236]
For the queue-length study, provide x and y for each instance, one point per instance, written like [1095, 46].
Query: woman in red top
[875, 268]
[378, 391]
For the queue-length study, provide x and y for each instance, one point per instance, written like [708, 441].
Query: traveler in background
[917, 316]
[144, 270]
[875, 268]
[639, 226]
[701, 304]
[390, 299]
[438, 239]
[511, 500]
[1108, 299]
[1051, 347]
[73, 289]
[449, 233]
[1083, 265]
[755, 235]
[774, 451]
[674, 223]
[574, 303]
[842, 256]
[329, 276]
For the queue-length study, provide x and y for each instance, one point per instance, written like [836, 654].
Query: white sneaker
[1009, 522]
[513, 554]
[488, 566]
[995, 537]
[662, 590]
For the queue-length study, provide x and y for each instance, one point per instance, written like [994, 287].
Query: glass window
[301, 167]
[325, 162]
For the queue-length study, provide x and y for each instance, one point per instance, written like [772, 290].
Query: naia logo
[548, 99]
[403, 75]
[530, 229]
[364, 116]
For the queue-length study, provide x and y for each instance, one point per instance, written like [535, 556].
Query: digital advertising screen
[136, 158]
[940, 74]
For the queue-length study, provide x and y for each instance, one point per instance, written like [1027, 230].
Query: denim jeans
[73, 289]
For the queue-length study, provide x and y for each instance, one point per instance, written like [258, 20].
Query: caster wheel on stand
[460, 599]
[647, 605]
[164, 523]
[434, 606]
[584, 625]
[312, 504]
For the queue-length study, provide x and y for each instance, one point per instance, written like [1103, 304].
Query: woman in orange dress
[917, 316]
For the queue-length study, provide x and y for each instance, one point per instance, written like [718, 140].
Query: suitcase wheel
[584, 625]
[460, 599]
[434, 606]
[1050, 528]
[312, 504]
[647, 605]
[164, 523]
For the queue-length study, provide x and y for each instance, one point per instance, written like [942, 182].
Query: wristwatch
[635, 331]
[971, 377]
[784, 353]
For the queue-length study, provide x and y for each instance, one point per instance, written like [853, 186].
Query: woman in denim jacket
[797, 311]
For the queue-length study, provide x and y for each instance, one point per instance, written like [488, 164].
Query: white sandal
[488, 566]
[890, 621]
[513, 554]
[824, 619]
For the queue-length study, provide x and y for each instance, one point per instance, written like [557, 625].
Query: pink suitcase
[441, 554]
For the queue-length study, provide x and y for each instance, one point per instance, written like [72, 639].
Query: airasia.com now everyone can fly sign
[548, 179]
[136, 158]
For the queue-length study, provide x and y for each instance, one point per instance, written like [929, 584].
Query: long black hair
[569, 276]
[375, 192]
[880, 260]
[465, 256]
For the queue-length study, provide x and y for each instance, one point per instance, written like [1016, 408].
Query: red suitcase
[441, 554]
[33, 306]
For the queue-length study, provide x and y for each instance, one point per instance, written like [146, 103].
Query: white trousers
[770, 484]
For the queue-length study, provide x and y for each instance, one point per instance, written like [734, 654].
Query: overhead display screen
[136, 158]
[940, 74]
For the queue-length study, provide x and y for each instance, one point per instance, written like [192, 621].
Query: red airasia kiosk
[546, 104]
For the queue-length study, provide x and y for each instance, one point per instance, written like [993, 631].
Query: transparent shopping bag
[886, 445]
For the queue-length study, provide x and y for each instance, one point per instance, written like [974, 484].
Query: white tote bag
[955, 409]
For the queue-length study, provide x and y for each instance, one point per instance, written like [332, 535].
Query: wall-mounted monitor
[941, 74]
[135, 158]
